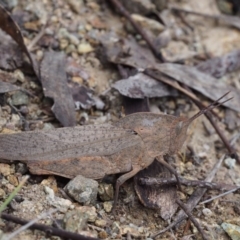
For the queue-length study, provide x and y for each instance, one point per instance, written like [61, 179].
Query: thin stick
[193, 220]
[220, 195]
[171, 170]
[26, 226]
[193, 200]
[149, 181]
[126, 14]
[47, 229]
[36, 38]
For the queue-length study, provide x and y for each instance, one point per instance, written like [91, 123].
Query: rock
[230, 163]
[108, 206]
[13, 180]
[5, 169]
[105, 191]
[100, 223]
[84, 48]
[75, 221]
[19, 98]
[75, 5]
[62, 204]
[83, 190]
[50, 182]
[207, 212]
[151, 25]
[18, 74]
[116, 228]
[64, 34]
[2, 193]
[102, 235]
[132, 231]
[233, 231]
[89, 211]
[177, 51]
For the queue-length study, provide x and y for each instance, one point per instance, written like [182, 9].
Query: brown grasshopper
[126, 146]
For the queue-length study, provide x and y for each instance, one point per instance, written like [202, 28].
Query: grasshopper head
[178, 135]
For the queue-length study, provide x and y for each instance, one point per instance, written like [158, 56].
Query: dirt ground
[73, 27]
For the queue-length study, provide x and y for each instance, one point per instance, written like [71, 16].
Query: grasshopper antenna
[210, 107]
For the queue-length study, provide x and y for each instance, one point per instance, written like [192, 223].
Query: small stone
[50, 182]
[83, 190]
[62, 204]
[13, 180]
[105, 191]
[24, 110]
[108, 206]
[70, 48]
[19, 75]
[177, 51]
[5, 169]
[116, 228]
[90, 212]
[102, 235]
[20, 98]
[100, 223]
[15, 120]
[77, 80]
[75, 221]
[63, 43]
[232, 230]
[230, 163]
[85, 48]
[2, 193]
[75, 5]
[133, 231]
[152, 25]
[207, 212]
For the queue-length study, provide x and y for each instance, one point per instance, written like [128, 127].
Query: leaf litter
[98, 76]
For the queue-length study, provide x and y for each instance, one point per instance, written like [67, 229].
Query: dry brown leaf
[141, 85]
[54, 82]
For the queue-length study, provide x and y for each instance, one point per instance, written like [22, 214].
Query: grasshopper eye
[179, 127]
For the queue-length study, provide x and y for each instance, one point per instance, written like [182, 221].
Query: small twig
[24, 121]
[47, 229]
[193, 200]
[149, 181]
[126, 14]
[36, 38]
[171, 170]
[26, 226]
[194, 221]
[220, 195]
[95, 227]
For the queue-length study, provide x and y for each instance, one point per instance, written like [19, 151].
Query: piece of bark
[128, 52]
[161, 198]
[54, 82]
[141, 85]
[219, 66]
[8, 87]
[11, 54]
[9, 26]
